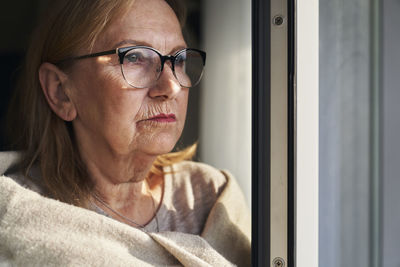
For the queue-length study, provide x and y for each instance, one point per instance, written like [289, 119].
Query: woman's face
[111, 114]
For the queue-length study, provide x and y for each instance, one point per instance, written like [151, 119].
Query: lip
[163, 118]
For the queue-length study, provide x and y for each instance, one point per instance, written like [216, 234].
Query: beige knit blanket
[38, 231]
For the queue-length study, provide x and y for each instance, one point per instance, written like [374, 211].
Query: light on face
[104, 59]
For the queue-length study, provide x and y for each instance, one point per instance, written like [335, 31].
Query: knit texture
[39, 231]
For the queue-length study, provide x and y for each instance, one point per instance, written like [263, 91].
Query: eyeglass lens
[141, 67]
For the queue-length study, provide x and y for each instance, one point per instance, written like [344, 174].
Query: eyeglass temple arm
[109, 52]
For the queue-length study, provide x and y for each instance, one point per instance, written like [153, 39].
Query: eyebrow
[130, 42]
[135, 42]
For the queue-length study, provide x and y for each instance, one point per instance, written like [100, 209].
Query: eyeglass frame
[122, 51]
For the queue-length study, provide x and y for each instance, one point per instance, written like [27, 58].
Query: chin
[161, 150]
[161, 146]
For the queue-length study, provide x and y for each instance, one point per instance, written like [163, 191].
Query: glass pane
[348, 139]
[390, 126]
[359, 129]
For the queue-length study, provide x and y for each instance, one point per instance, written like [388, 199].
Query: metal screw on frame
[278, 20]
[278, 262]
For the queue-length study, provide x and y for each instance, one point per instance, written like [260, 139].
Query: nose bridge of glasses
[171, 64]
[169, 58]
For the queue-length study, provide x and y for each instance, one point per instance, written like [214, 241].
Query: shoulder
[9, 167]
[190, 191]
[199, 175]
[8, 159]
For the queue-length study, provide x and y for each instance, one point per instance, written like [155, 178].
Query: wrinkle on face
[113, 111]
[153, 109]
[161, 22]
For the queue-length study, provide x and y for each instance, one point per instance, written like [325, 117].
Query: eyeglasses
[141, 66]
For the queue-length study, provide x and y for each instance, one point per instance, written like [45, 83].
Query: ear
[54, 85]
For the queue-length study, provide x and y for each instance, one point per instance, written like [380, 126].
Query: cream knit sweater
[39, 231]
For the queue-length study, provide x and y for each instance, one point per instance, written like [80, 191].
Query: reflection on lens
[189, 68]
[140, 67]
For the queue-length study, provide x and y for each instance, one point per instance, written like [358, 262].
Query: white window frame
[307, 64]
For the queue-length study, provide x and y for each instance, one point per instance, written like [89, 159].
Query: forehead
[148, 22]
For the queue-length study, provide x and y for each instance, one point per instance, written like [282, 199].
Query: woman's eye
[180, 61]
[134, 58]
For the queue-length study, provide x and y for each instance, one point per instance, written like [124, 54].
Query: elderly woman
[101, 103]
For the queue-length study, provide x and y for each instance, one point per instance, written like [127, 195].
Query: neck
[120, 181]
[136, 213]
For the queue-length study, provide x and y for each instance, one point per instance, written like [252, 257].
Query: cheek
[183, 102]
[104, 102]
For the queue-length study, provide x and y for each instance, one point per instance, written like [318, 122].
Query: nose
[167, 86]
